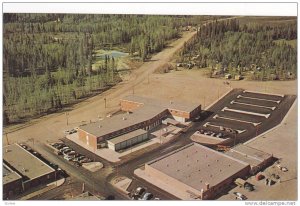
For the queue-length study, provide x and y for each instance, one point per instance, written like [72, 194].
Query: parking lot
[69, 154]
[242, 115]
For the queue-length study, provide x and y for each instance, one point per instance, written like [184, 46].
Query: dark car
[147, 196]
[248, 187]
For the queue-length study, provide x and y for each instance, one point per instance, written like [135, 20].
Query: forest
[259, 51]
[48, 58]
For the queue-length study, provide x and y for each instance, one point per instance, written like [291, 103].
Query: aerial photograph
[149, 107]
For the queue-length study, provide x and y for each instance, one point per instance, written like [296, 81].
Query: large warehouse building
[23, 173]
[196, 171]
[141, 114]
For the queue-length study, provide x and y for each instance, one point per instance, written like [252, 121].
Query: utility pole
[104, 102]
[148, 78]
[6, 139]
[67, 117]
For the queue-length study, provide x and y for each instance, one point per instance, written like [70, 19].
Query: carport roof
[127, 136]
[195, 165]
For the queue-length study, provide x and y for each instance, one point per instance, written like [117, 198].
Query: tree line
[240, 48]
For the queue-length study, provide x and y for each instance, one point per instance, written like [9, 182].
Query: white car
[239, 196]
[66, 157]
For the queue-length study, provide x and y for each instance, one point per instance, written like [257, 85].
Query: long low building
[127, 140]
[25, 167]
[141, 113]
[196, 170]
[257, 159]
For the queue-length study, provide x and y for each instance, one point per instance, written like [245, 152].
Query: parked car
[249, 186]
[64, 148]
[66, 157]
[157, 198]
[66, 152]
[239, 196]
[72, 152]
[201, 131]
[72, 131]
[66, 132]
[139, 191]
[147, 196]
[81, 157]
[76, 155]
[220, 135]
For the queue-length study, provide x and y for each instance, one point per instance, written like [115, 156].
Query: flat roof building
[257, 159]
[142, 113]
[30, 168]
[197, 170]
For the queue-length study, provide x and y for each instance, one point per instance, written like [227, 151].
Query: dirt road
[52, 126]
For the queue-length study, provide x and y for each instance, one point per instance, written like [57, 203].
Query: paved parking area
[242, 115]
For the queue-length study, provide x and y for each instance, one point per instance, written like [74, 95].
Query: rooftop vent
[99, 126]
[124, 118]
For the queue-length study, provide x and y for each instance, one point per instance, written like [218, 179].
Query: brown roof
[196, 165]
